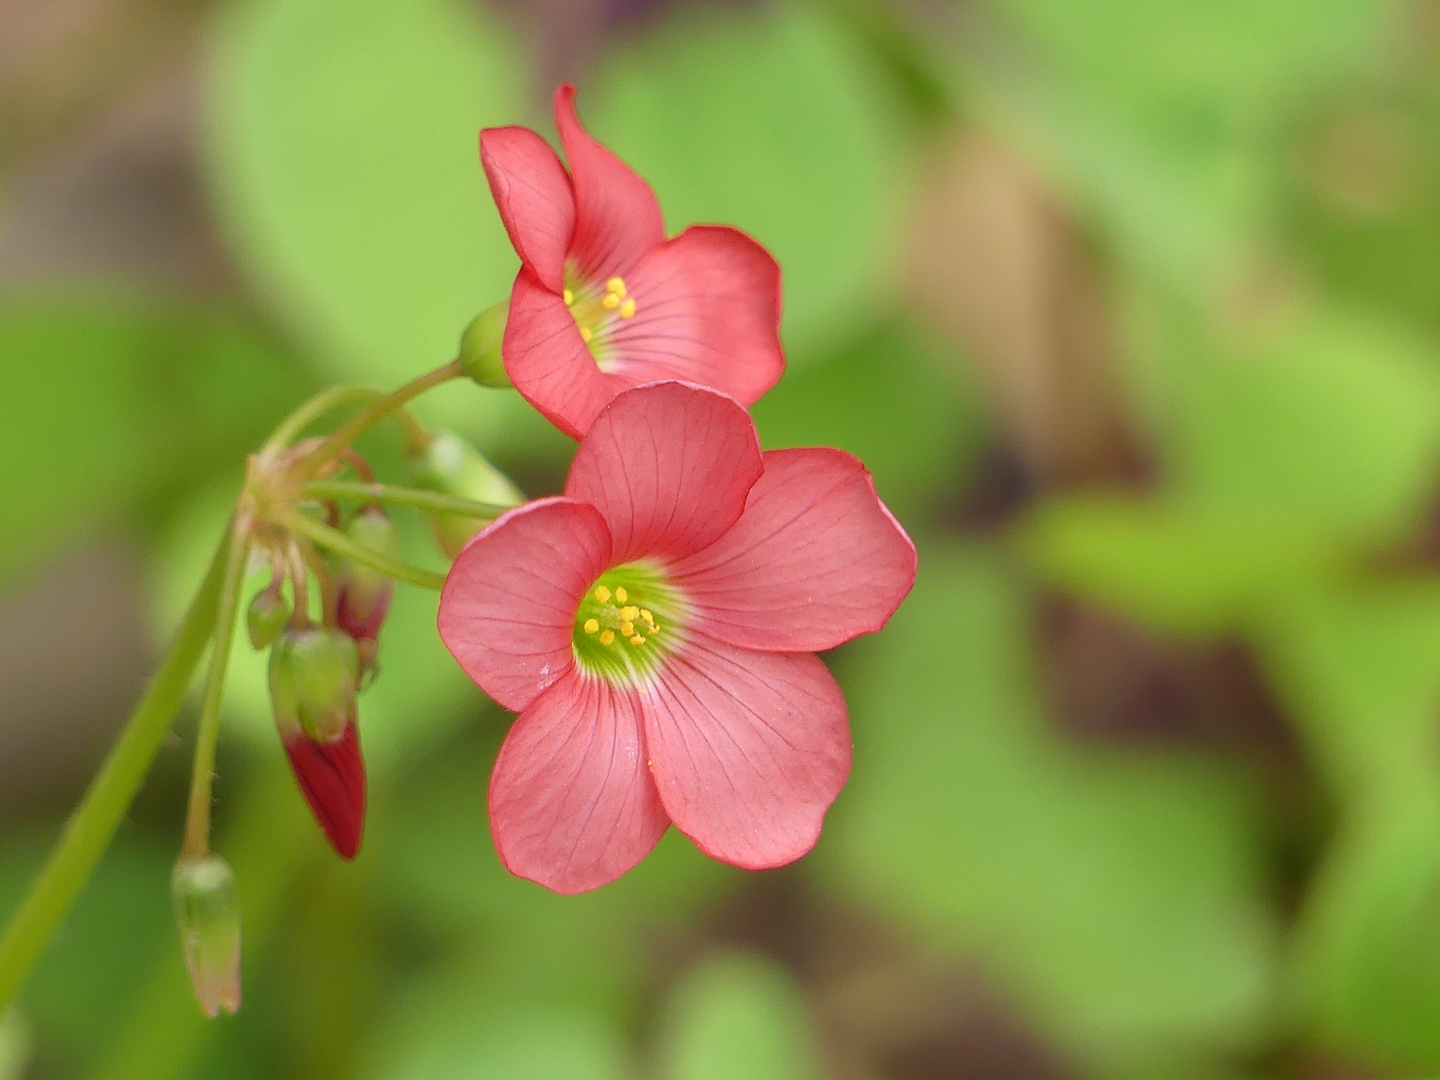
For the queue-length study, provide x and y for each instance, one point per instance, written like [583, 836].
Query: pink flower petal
[749, 749]
[548, 362]
[668, 466]
[707, 311]
[815, 559]
[532, 192]
[507, 611]
[572, 804]
[617, 217]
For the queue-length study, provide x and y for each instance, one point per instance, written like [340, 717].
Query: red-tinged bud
[332, 778]
[207, 910]
[364, 593]
[313, 675]
[452, 466]
[268, 614]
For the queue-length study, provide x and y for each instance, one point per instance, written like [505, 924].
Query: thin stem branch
[91, 827]
[334, 398]
[337, 541]
[404, 496]
[378, 410]
[207, 734]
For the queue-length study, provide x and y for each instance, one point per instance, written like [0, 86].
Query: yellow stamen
[602, 594]
[627, 309]
[615, 285]
[611, 302]
[645, 614]
[621, 595]
[629, 613]
[585, 334]
[569, 297]
[592, 626]
[607, 637]
[627, 628]
[637, 640]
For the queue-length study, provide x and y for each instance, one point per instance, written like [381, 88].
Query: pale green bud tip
[480, 347]
[207, 910]
[267, 616]
[313, 675]
[452, 466]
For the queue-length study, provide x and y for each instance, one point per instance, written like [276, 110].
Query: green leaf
[883, 396]
[1367, 965]
[14, 1045]
[1358, 666]
[737, 1017]
[1117, 897]
[766, 120]
[119, 401]
[343, 149]
[439, 1041]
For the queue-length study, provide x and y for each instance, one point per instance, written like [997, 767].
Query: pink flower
[655, 628]
[603, 301]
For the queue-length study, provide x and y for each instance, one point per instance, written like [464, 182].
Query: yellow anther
[629, 613]
[602, 594]
[621, 595]
[607, 637]
[627, 628]
[569, 297]
[627, 309]
[592, 626]
[616, 286]
[637, 640]
[611, 301]
[645, 614]
[585, 334]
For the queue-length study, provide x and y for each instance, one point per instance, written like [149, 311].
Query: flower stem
[378, 410]
[335, 398]
[207, 734]
[337, 541]
[90, 828]
[404, 496]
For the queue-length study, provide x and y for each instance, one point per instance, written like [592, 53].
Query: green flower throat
[626, 623]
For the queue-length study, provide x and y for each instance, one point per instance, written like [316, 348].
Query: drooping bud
[332, 778]
[480, 347]
[207, 910]
[452, 466]
[364, 594]
[267, 616]
[313, 675]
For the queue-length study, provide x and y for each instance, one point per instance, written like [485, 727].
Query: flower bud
[313, 675]
[365, 593]
[267, 616]
[480, 354]
[452, 466]
[332, 779]
[207, 910]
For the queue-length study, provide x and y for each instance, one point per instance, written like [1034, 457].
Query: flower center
[627, 622]
[598, 311]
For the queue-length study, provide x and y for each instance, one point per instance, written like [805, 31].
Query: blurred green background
[1133, 308]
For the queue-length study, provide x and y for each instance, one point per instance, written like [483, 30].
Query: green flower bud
[452, 466]
[480, 347]
[313, 676]
[207, 910]
[364, 592]
[267, 616]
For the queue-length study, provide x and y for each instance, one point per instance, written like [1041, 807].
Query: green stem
[404, 496]
[378, 410]
[91, 827]
[207, 734]
[335, 398]
[337, 541]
